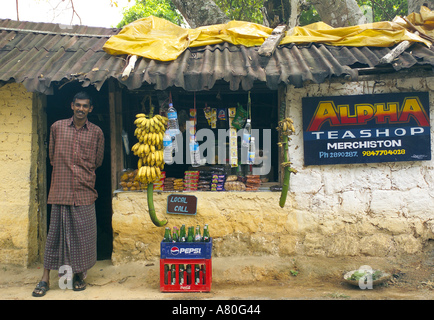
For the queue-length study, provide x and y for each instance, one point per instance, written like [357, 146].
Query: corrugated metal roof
[39, 54]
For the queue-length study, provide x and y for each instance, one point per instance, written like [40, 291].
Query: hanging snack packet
[207, 112]
[213, 118]
[240, 118]
[221, 114]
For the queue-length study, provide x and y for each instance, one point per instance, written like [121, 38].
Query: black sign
[366, 128]
[181, 204]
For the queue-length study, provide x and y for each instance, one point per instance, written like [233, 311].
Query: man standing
[76, 149]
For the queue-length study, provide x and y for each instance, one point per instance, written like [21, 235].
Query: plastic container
[172, 124]
[252, 151]
[168, 148]
[247, 134]
[197, 255]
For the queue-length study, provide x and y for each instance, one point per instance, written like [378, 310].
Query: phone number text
[383, 152]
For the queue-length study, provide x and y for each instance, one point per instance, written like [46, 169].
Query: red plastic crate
[189, 285]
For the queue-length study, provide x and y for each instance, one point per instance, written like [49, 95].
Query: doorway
[59, 107]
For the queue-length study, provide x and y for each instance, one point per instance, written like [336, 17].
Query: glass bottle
[167, 237]
[175, 236]
[205, 234]
[181, 274]
[182, 235]
[190, 237]
[197, 236]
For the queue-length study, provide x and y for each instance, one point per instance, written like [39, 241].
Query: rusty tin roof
[40, 54]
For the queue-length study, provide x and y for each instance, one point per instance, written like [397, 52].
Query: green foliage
[242, 10]
[249, 10]
[309, 16]
[385, 10]
[143, 8]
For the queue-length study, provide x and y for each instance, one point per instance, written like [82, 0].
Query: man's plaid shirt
[74, 155]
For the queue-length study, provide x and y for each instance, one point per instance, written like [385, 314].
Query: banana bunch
[149, 149]
[286, 126]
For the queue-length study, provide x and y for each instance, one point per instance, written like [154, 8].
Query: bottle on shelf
[252, 151]
[247, 134]
[168, 147]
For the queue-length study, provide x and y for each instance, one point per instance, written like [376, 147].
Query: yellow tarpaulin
[378, 34]
[159, 39]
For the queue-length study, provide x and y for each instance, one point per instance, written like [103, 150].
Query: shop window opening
[211, 114]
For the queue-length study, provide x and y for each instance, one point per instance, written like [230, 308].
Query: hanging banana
[150, 132]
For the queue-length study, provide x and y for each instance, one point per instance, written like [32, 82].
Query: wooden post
[270, 44]
[395, 52]
[131, 63]
[116, 150]
[40, 107]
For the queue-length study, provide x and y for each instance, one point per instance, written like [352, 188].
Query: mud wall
[18, 150]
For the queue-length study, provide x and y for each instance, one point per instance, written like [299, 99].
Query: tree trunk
[297, 6]
[339, 13]
[414, 5]
[200, 13]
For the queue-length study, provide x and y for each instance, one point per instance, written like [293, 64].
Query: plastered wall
[377, 209]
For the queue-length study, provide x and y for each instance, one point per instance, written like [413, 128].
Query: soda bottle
[182, 235]
[204, 274]
[167, 237]
[197, 274]
[247, 134]
[197, 236]
[166, 274]
[175, 236]
[251, 158]
[190, 237]
[181, 274]
[205, 234]
[188, 273]
[173, 274]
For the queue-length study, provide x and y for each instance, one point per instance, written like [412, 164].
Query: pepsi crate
[188, 255]
[186, 250]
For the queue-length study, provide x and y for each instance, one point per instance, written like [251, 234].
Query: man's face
[81, 108]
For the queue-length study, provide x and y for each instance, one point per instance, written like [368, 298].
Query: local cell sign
[181, 204]
[366, 128]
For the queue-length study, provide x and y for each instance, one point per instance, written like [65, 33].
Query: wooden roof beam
[270, 44]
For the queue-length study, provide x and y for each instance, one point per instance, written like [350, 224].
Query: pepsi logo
[174, 250]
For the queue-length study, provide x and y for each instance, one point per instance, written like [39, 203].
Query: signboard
[181, 204]
[366, 128]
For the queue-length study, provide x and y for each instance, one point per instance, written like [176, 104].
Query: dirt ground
[243, 278]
